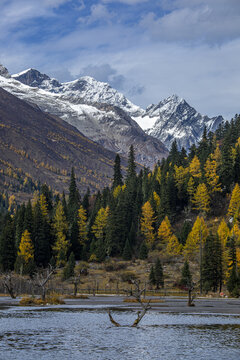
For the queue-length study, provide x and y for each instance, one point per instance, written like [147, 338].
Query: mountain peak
[4, 72]
[35, 78]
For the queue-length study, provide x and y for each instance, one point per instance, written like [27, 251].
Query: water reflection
[88, 335]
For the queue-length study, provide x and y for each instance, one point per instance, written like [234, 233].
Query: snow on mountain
[104, 123]
[174, 118]
[86, 98]
[85, 90]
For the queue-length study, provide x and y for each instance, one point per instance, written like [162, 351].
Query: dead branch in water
[137, 294]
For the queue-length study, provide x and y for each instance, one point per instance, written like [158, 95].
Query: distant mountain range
[173, 118]
[109, 125]
[107, 117]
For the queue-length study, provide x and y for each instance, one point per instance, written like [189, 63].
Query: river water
[87, 334]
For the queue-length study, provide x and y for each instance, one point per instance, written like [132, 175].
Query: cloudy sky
[147, 49]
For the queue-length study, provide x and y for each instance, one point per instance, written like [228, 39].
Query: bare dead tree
[137, 294]
[76, 279]
[41, 279]
[191, 297]
[10, 283]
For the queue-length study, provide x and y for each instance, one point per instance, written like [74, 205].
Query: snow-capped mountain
[85, 90]
[108, 117]
[174, 118]
[104, 123]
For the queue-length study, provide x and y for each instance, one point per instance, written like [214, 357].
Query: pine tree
[74, 198]
[131, 169]
[7, 245]
[41, 237]
[158, 272]
[147, 221]
[117, 176]
[127, 253]
[143, 252]
[186, 277]
[212, 264]
[69, 268]
[152, 279]
[233, 280]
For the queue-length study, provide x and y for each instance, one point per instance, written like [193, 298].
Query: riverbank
[164, 304]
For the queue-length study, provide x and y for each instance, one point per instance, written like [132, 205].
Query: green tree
[127, 252]
[74, 198]
[7, 245]
[143, 252]
[117, 174]
[186, 277]
[69, 268]
[158, 271]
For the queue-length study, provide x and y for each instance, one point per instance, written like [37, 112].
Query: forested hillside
[186, 209]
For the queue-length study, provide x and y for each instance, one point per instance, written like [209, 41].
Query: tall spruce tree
[74, 199]
[117, 174]
[7, 245]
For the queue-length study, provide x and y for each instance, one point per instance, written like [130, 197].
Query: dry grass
[32, 301]
[76, 297]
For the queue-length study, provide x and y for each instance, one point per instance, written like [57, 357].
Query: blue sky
[147, 49]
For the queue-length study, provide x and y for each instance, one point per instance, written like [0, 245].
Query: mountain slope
[174, 118]
[37, 146]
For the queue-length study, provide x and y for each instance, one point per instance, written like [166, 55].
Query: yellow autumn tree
[82, 225]
[61, 245]
[164, 230]
[180, 175]
[100, 223]
[157, 199]
[201, 199]
[195, 168]
[173, 246]
[234, 202]
[235, 233]
[146, 222]
[223, 233]
[26, 249]
[191, 188]
[211, 175]
[43, 205]
[196, 238]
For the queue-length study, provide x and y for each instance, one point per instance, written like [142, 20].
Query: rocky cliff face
[174, 118]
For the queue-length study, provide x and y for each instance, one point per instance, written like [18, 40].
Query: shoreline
[227, 306]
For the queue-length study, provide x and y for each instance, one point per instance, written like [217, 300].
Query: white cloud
[212, 21]
[99, 13]
[128, 2]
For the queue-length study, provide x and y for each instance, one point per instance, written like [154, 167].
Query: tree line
[187, 206]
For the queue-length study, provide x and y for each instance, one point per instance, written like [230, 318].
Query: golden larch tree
[201, 199]
[100, 223]
[223, 233]
[234, 202]
[196, 238]
[191, 188]
[26, 248]
[164, 230]
[195, 168]
[211, 176]
[61, 245]
[173, 246]
[146, 222]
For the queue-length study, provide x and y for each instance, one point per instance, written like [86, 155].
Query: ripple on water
[88, 335]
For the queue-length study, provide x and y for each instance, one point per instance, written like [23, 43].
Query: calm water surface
[75, 333]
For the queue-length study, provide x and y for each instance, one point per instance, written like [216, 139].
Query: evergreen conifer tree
[69, 268]
[158, 272]
[127, 253]
[186, 278]
[117, 175]
[143, 253]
